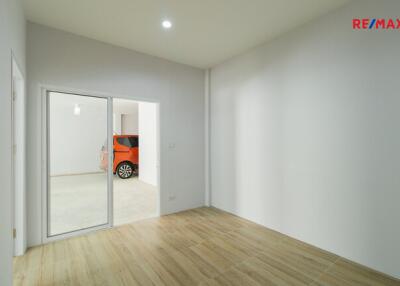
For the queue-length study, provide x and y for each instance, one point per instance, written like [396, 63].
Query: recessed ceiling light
[166, 24]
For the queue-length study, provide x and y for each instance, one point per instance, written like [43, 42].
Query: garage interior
[78, 162]
[137, 197]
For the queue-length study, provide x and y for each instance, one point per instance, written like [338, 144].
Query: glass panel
[78, 193]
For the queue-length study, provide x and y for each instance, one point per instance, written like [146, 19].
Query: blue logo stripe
[372, 23]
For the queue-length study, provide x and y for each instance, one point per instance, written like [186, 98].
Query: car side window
[134, 141]
[124, 141]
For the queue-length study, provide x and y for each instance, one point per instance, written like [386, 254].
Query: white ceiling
[204, 32]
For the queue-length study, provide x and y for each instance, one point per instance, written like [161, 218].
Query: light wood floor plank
[203, 246]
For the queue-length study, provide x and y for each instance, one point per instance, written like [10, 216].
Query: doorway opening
[101, 161]
[135, 161]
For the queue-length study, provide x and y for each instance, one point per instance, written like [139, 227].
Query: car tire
[125, 170]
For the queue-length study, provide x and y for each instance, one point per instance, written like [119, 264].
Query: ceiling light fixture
[77, 109]
[166, 24]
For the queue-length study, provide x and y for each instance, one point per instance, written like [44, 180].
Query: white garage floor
[80, 201]
[133, 200]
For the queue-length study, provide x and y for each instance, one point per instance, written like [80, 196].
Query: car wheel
[125, 170]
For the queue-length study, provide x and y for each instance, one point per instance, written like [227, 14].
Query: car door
[121, 150]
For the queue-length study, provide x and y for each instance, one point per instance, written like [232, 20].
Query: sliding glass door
[78, 191]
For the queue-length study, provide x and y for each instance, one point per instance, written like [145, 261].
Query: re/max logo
[376, 24]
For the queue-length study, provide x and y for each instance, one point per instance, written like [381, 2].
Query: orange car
[126, 156]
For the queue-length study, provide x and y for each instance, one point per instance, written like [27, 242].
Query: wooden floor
[198, 247]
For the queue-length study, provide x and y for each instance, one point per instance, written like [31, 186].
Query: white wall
[127, 112]
[305, 136]
[117, 123]
[62, 59]
[76, 140]
[148, 142]
[130, 124]
[12, 38]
